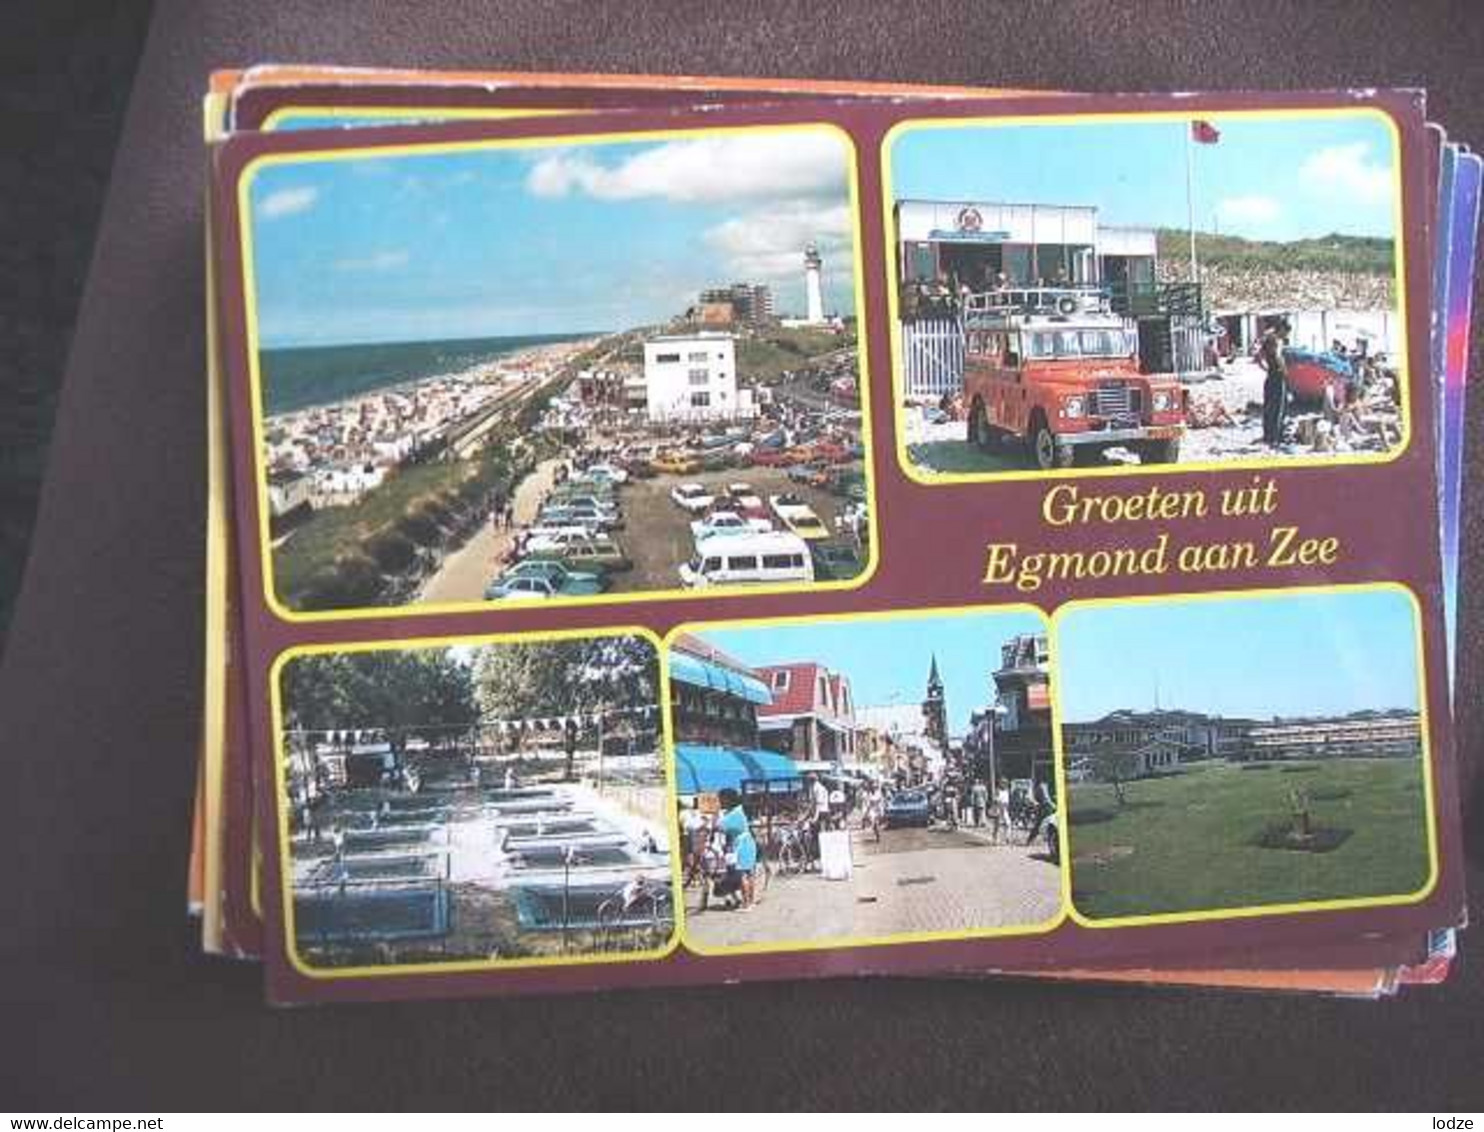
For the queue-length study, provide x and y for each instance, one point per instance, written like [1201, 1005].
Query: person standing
[1002, 810]
[1044, 808]
[979, 799]
[741, 846]
[1274, 388]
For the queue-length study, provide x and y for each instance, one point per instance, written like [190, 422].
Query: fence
[932, 358]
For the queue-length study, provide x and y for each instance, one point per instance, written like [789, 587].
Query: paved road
[914, 881]
[464, 573]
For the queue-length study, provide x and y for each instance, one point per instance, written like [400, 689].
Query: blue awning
[705, 770]
[689, 669]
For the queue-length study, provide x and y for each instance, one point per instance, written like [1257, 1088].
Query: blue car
[539, 579]
[907, 808]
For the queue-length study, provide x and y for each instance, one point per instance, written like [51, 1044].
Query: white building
[693, 377]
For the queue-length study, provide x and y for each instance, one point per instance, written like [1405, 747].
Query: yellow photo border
[245, 180]
[1276, 909]
[460, 966]
[897, 938]
[892, 259]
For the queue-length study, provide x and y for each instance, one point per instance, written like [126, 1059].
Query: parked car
[774, 557]
[907, 808]
[798, 517]
[597, 555]
[597, 518]
[693, 497]
[676, 463]
[835, 560]
[722, 523]
[611, 473]
[750, 506]
[567, 582]
[521, 589]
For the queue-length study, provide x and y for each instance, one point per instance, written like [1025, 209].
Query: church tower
[935, 708]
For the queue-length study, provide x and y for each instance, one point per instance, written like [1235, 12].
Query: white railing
[932, 358]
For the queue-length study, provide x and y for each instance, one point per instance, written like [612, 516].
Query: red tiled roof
[799, 697]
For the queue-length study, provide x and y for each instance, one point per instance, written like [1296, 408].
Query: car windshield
[908, 798]
[1085, 343]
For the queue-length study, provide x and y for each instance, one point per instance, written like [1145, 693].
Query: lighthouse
[812, 263]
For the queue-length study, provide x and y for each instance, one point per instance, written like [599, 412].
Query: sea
[301, 377]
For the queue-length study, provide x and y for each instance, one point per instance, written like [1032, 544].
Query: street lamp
[996, 711]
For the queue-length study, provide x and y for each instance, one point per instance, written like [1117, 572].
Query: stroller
[719, 876]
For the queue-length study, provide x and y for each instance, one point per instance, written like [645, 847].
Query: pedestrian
[741, 846]
[1043, 809]
[1002, 809]
[1274, 388]
[979, 799]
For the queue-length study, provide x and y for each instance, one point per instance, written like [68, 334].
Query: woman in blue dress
[741, 846]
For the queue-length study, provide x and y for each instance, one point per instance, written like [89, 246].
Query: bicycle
[635, 920]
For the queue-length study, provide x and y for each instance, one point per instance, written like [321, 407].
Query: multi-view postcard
[837, 535]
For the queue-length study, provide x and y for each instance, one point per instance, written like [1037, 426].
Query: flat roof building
[973, 242]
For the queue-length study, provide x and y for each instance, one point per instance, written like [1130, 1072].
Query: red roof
[799, 698]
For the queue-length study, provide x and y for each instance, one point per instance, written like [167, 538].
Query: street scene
[671, 402]
[864, 779]
[1147, 293]
[483, 802]
[1199, 781]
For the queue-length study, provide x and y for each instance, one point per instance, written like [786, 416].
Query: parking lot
[656, 533]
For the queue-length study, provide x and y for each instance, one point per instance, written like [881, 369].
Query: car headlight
[1073, 407]
[1163, 401]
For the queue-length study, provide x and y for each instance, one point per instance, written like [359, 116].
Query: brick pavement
[914, 881]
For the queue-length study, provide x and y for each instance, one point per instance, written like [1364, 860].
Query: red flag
[1203, 133]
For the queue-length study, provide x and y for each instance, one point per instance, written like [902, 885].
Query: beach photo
[864, 779]
[1146, 291]
[1242, 753]
[475, 803]
[557, 371]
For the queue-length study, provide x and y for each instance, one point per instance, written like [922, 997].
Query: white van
[732, 560]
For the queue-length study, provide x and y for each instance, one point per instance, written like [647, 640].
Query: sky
[543, 240]
[967, 647]
[1265, 179]
[1307, 654]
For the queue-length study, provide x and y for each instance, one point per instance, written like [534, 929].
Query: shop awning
[701, 673]
[705, 770]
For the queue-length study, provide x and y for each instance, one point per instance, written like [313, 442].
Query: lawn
[1189, 842]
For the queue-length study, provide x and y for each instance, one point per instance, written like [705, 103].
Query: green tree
[423, 693]
[557, 678]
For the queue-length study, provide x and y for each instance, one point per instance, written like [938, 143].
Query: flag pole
[1190, 197]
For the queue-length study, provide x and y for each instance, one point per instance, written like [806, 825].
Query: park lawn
[1186, 842]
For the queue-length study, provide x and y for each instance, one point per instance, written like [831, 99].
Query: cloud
[286, 202]
[1248, 210]
[790, 164]
[1346, 172]
[767, 244]
[377, 261]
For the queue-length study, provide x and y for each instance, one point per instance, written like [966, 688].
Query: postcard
[411, 482]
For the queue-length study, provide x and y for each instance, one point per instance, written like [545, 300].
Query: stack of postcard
[671, 531]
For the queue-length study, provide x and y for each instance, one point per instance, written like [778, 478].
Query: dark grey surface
[66, 67]
[104, 1005]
